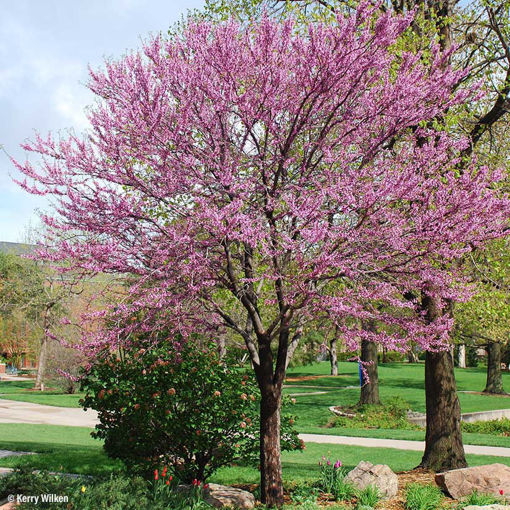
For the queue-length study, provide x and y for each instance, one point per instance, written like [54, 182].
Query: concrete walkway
[398, 444]
[12, 411]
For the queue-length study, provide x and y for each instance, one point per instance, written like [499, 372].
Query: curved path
[12, 411]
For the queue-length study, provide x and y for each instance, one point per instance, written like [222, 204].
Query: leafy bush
[115, 493]
[422, 497]
[304, 494]
[391, 415]
[177, 405]
[391, 357]
[499, 427]
[368, 497]
[480, 499]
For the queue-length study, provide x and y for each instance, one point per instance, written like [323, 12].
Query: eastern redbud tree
[256, 178]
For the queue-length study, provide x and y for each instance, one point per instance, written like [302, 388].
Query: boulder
[221, 496]
[487, 507]
[489, 479]
[380, 475]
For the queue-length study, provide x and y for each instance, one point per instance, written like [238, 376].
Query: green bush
[391, 357]
[390, 415]
[119, 492]
[177, 405]
[499, 427]
[422, 497]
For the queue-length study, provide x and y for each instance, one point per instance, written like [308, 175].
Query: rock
[489, 479]
[220, 496]
[486, 507]
[365, 474]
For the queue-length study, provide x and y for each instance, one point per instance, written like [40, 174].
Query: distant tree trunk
[461, 356]
[221, 345]
[370, 389]
[43, 353]
[41, 368]
[333, 358]
[412, 357]
[384, 354]
[494, 380]
[444, 449]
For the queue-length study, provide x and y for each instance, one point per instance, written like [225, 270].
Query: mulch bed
[421, 476]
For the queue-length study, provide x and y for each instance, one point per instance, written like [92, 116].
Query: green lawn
[22, 392]
[402, 379]
[72, 450]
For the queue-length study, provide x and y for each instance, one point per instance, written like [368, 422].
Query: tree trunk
[461, 356]
[271, 485]
[39, 380]
[384, 354]
[412, 356]
[444, 449]
[494, 381]
[370, 390]
[43, 354]
[333, 358]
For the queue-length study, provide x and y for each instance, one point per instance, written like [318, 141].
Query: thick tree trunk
[444, 449]
[461, 356]
[271, 485]
[494, 380]
[333, 358]
[370, 389]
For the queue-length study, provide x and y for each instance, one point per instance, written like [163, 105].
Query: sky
[46, 47]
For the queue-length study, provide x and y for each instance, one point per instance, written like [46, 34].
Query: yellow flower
[83, 488]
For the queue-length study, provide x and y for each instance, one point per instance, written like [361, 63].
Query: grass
[22, 392]
[402, 379]
[72, 450]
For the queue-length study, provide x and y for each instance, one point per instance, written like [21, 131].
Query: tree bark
[333, 358]
[444, 449]
[271, 485]
[461, 356]
[370, 390]
[494, 380]
[270, 385]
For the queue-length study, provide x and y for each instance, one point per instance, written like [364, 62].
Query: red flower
[168, 482]
[156, 476]
[170, 478]
[164, 472]
[206, 485]
[501, 491]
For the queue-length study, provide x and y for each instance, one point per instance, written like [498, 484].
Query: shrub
[499, 427]
[177, 405]
[422, 497]
[118, 492]
[391, 415]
